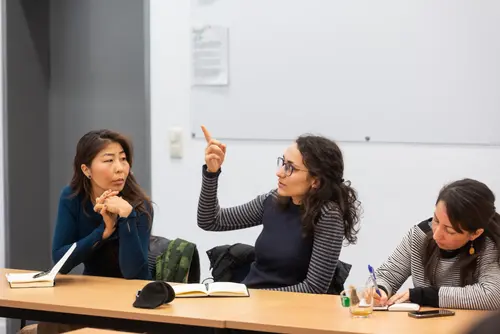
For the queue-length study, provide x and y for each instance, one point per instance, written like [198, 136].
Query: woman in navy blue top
[305, 219]
[104, 211]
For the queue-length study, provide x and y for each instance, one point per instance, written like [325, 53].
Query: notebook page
[25, 278]
[227, 288]
[186, 289]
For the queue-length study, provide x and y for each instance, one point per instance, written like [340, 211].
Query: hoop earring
[89, 176]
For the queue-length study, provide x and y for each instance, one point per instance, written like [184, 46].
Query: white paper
[210, 66]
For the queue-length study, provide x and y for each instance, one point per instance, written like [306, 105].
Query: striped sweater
[406, 261]
[285, 260]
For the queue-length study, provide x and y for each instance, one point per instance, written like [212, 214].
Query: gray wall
[27, 135]
[97, 81]
[27, 239]
[71, 66]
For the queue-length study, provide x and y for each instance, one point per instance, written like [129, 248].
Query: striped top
[285, 260]
[406, 261]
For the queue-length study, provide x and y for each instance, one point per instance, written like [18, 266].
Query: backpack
[231, 263]
[179, 263]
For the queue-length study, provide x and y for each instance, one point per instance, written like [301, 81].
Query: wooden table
[107, 303]
[94, 301]
[306, 313]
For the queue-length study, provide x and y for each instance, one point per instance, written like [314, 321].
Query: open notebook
[215, 289]
[38, 279]
[401, 307]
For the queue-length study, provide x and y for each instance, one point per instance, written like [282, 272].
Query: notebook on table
[215, 289]
[400, 307]
[39, 279]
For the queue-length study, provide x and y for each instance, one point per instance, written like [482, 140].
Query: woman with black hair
[452, 257]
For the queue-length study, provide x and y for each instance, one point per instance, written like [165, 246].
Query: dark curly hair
[324, 161]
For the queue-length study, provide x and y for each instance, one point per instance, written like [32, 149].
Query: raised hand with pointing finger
[300, 215]
[214, 153]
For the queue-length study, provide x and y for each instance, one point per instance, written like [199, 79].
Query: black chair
[157, 246]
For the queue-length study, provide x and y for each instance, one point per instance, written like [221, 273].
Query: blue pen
[372, 272]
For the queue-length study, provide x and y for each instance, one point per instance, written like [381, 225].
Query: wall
[398, 184]
[2, 142]
[27, 232]
[70, 67]
[27, 133]
[99, 59]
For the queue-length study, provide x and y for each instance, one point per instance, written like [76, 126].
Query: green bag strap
[162, 261]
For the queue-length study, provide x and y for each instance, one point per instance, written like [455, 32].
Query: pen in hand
[372, 272]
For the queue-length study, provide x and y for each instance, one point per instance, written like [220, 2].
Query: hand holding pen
[381, 297]
[374, 279]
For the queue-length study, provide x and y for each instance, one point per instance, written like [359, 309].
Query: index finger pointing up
[208, 137]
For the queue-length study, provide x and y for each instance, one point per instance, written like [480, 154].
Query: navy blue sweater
[124, 254]
[285, 259]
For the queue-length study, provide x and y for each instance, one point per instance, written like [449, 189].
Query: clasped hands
[110, 206]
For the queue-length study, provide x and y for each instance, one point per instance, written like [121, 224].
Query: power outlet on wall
[175, 137]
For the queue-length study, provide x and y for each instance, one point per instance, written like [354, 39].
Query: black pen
[40, 274]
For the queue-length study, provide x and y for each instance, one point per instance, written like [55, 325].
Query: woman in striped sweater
[453, 257]
[304, 220]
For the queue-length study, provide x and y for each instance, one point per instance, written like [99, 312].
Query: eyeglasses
[287, 166]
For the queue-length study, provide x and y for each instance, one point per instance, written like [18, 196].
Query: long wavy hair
[470, 205]
[86, 150]
[324, 161]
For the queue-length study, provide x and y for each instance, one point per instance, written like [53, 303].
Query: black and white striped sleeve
[327, 244]
[395, 271]
[211, 217]
[483, 295]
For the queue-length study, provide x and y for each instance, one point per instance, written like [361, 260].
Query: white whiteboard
[417, 71]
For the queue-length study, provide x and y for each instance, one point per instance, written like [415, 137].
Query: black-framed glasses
[287, 166]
